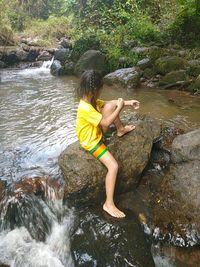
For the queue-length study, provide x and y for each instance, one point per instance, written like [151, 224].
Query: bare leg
[108, 109]
[108, 160]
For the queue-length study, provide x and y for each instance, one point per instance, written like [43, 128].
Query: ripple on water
[38, 114]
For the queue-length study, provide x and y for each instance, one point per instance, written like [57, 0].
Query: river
[37, 122]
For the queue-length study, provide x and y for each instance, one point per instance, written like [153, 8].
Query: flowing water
[37, 122]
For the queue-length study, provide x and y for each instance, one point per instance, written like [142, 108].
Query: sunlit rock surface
[84, 175]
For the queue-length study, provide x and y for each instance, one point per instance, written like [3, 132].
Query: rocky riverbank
[170, 67]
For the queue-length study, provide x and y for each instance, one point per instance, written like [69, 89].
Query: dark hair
[91, 82]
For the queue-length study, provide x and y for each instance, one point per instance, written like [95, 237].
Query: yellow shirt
[87, 124]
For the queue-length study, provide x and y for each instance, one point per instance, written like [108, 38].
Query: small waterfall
[35, 229]
[47, 64]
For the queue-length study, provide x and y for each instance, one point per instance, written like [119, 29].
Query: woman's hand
[133, 103]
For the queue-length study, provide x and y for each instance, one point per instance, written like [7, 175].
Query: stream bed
[37, 122]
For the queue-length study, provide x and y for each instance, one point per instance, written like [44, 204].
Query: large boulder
[100, 240]
[84, 175]
[56, 68]
[179, 193]
[92, 59]
[62, 55]
[167, 64]
[128, 78]
[186, 147]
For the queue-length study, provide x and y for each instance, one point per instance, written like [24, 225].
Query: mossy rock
[92, 59]
[167, 64]
[155, 52]
[148, 73]
[173, 77]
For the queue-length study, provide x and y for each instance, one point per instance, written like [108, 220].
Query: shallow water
[37, 122]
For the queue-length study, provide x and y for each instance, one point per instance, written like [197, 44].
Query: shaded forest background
[107, 25]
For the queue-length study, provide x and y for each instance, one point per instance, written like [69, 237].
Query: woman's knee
[110, 106]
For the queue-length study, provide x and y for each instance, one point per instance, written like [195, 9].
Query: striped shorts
[99, 150]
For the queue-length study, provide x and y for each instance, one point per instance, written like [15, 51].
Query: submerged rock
[128, 78]
[92, 59]
[100, 240]
[84, 175]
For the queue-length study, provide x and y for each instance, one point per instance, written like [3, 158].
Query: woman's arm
[132, 103]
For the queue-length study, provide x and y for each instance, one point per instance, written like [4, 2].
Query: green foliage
[49, 30]
[83, 44]
[185, 28]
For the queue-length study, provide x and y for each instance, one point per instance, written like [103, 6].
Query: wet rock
[179, 190]
[44, 56]
[56, 68]
[44, 187]
[4, 265]
[179, 201]
[161, 157]
[84, 175]
[10, 58]
[186, 147]
[174, 77]
[22, 55]
[167, 64]
[92, 59]
[144, 63]
[100, 240]
[128, 78]
[168, 134]
[33, 54]
[62, 55]
[19, 209]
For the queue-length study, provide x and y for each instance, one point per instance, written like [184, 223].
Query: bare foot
[113, 211]
[126, 129]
